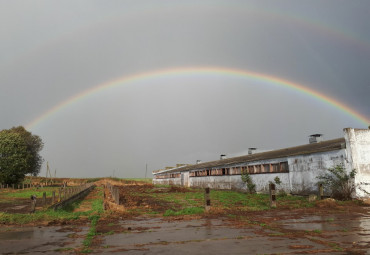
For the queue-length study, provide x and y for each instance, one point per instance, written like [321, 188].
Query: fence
[114, 192]
[17, 186]
[65, 195]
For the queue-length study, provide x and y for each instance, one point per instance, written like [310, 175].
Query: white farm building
[297, 167]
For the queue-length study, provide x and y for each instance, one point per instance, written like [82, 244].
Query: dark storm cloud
[52, 51]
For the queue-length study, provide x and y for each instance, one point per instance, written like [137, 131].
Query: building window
[257, 169]
[266, 168]
[275, 168]
[284, 167]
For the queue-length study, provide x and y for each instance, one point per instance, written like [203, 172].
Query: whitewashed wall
[358, 155]
[168, 181]
[304, 169]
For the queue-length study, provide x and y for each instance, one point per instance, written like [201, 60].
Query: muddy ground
[327, 228]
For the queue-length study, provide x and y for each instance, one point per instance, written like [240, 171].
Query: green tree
[34, 146]
[19, 154]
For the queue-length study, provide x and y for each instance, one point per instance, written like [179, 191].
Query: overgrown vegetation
[26, 193]
[189, 201]
[340, 184]
[185, 211]
[247, 179]
[66, 213]
[281, 192]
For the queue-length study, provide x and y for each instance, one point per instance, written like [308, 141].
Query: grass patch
[186, 211]
[65, 213]
[221, 199]
[95, 212]
[27, 193]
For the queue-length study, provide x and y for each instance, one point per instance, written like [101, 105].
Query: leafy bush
[340, 183]
[247, 179]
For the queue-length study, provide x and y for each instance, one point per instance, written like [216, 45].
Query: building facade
[297, 167]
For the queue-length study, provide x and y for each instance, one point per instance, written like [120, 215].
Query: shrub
[340, 183]
[247, 179]
[281, 192]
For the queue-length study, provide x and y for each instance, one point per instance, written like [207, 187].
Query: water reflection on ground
[281, 232]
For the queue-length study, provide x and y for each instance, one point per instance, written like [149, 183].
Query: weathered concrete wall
[168, 181]
[73, 198]
[262, 181]
[358, 156]
[301, 178]
[304, 169]
[217, 182]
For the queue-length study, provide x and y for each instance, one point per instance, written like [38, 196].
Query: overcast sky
[51, 51]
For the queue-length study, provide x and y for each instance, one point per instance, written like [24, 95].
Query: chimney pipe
[251, 151]
[315, 138]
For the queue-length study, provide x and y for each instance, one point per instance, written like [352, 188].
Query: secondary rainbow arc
[204, 71]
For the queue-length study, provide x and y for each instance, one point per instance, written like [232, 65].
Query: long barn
[297, 167]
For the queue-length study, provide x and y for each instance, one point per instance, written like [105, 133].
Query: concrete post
[22, 185]
[116, 195]
[13, 186]
[44, 198]
[53, 198]
[33, 203]
[207, 199]
[272, 192]
[19, 187]
[321, 191]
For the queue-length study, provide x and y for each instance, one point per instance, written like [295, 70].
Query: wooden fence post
[207, 199]
[44, 198]
[53, 198]
[33, 203]
[116, 195]
[272, 192]
[321, 191]
[59, 194]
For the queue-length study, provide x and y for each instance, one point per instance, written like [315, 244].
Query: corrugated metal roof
[323, 146]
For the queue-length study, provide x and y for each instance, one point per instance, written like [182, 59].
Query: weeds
[339, 182]
[247, 179]
[186, 211]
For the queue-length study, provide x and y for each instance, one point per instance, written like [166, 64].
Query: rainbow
[174, 72]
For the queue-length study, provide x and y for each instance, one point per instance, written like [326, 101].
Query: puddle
[37, 239]
[205, 236]
[328, 223]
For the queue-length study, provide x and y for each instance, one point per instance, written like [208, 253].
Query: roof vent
[252, 151]
[316, 138]
[222, 156]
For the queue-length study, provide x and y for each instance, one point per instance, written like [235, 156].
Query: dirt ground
[326, 228]
[20, 205]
